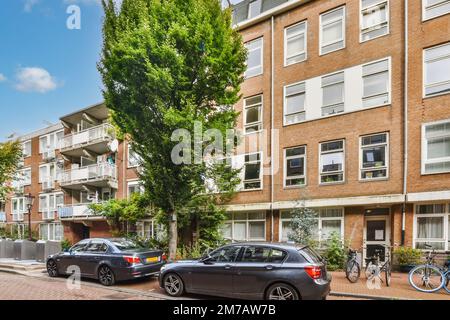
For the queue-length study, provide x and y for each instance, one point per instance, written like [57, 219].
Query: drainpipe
[272, 127]
[405, 125]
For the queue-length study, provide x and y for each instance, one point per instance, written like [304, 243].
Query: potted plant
[407, 258]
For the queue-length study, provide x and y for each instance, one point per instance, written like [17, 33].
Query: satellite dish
[114, 145]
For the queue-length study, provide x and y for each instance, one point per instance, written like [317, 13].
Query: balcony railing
[2, 217]
[48, 183]
[95, 134]
[96, 172]
[49, 214]
[76, 211]
[49, 155]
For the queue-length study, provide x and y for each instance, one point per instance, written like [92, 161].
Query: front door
[85, 232]
[376, 236]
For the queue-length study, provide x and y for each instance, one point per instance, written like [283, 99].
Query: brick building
[345, 108]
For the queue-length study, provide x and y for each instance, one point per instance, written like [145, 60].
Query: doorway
[377, 232]
[85, 232]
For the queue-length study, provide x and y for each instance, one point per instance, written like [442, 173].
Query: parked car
[108, 260]
[251, 271]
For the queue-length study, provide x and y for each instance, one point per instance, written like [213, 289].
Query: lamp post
[29, 202]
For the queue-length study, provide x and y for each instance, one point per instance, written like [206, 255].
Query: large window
[374, 157]
[435, 8]
[432, 226]
[49, 204]
[245, 226]
[254, 58]
[332, 30]
[48, 173]
[253, 171]
[24, 177]
[18, 208]
[436, 147]
[51, 231]
[26, 148]
[146, 229]
[333, 94]
[134, 160]
[437, 70]
[294, 103]
[253, 114]
[135, 187]
[332, 162]
[376, 80]
[295, 166]
[329, 221]
[374, 19]
[254, 8]
[50, 141]
[295, 43]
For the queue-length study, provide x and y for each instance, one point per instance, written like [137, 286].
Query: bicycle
[352, 268]
[374, 266]
[428, 277]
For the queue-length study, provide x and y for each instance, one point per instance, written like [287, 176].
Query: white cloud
[88, 2]
[35, 80]
[2, 77]
[29, 4]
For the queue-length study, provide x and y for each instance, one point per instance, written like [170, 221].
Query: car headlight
[163, 268]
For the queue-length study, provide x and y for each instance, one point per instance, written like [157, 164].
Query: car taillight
[314, 272]
[164, 257]
[132, 260]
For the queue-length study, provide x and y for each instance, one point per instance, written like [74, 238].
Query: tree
[166, 65]
[303, 225]
[10, 156]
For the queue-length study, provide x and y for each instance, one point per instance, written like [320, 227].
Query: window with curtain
[333, 94]
[431, 226]
[254, 8]
[254, 58]
[435, 8]
[436, 147]
[253, 114]
[332, 30]
[374, 19]
[374, 156]
[295, 43]
[376, 83]
[294, 103]
[437, 70]
[245, 226]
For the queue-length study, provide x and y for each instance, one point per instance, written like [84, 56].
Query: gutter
[272, 111]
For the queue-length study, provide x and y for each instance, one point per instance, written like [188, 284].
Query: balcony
[48, 184]
[77, 212]
[17, 217]
[94, 139]
[49, 214]
[49, 155]
[2, 217]
[103, 175]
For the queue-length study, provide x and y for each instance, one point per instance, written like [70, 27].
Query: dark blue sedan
[108, 260]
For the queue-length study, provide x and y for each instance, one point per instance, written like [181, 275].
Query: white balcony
[79, 211]
[97, 175]
[94, 139]
[48, 183]
[49, 155]
[49, 214]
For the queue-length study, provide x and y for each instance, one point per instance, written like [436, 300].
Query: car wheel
[106, 276]
[281, 291]
[52, 268]
[173, 285]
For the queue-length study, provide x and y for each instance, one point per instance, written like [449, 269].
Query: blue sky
[46, 70]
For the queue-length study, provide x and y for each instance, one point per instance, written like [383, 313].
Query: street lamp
[29, 200]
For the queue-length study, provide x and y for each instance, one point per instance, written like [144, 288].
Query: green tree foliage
[303, 225]
[166, 65]
[335, 252]
[10, 156]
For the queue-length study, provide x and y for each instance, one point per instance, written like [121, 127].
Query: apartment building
[345, 109]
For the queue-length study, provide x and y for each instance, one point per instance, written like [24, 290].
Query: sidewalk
[399, 289]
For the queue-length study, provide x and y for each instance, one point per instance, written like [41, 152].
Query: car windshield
[124, 244]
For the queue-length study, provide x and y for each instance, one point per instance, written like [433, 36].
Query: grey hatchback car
[251, 271]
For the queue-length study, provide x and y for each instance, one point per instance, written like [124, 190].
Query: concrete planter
[6, 249]
[46, 248]
[24, 250]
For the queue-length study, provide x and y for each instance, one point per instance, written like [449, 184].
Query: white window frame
[304, 176]
[247, 225]
[389, 71]
[21, 175]
[52, 237]
[56, 143]
[129, 152]
[361, 148]
[134, 183]
[444, 215]
[261, 113]
[48, 166]
[262, 57]
[424, 9]
[141, 228]
[26, 155]
[322, 86]
[21, 208]
[425, 71]
[386, 23]
[20, 231]
[50, 210]
[305, 36]
[425, 160]
[321, 26]
[260, 171]
[285, 104]
[333, 172]
[260, 8]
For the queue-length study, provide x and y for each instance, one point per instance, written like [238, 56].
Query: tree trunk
[173, 236]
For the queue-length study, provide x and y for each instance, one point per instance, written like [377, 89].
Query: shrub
[335, 253]
[407, 256]
[65, 244]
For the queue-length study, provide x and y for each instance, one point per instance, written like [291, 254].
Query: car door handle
[269, 267]
[227, 267]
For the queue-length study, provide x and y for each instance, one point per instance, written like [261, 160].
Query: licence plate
[152, 259]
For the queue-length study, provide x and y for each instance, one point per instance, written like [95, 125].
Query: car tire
[106, 276]
[173, 285]
[281, 291]
[52, 268]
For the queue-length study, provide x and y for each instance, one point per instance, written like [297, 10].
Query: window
[294, 103]
[50, 141]
[49, 204]
[333, 94]
[135, 187]
[227, 254]
[332, 30]
[254, 58]
[329, 221]
[26, 149]
[256, 254]
[295, 166]
[332, 162]
[253, 114]
[254, 9]
[436, 147]
[51, 231]
[376, 84]
[18, 229]
[252, 171]
[146, 229]
[19, 208]
[374, 156]
[134, 160]
[47, 172]
[374, 19]
[23, 178]
[295, 43]
[245, 226]
[432, 226]
[96, 247]
[437, 70]
[435, 8]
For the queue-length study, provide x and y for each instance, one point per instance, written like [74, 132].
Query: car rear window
[311, 255]
[123, 244]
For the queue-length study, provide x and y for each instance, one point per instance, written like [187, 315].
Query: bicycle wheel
[388, 273]
[371, 270]
[426, 278]
[353, 271]
[447, 281]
